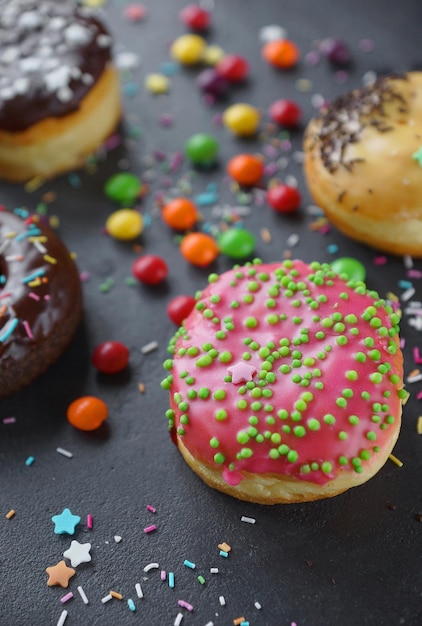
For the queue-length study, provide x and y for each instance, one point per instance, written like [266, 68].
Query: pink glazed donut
[286, 383]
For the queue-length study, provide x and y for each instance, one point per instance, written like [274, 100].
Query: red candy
[87, 413]
[285, 112]
[194, 17]
[179, 308]
[233, 68]
[283, 198]
[150, 269]
[110, 357]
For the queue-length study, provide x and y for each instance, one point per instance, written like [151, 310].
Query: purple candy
[335, 50]
[210, 82]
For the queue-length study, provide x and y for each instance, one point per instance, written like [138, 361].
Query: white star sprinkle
[241, 372]
[78, 553]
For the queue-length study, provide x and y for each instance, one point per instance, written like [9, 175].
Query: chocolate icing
[42, 311]
[51, 54]
[343, 121]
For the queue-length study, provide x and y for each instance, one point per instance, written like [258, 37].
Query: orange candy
[199, 249]
[87, 413]
[246, 169]
[281, 53]
[180, 214]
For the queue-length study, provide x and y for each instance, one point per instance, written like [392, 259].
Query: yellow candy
[157, 83]
[124, 224]
[188, 49]
[241, 119]
[212, 55]
[93, 3]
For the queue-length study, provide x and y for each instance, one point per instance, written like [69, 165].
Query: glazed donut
[363, 163]
[40, 299]
[286, 383]
[59, 92]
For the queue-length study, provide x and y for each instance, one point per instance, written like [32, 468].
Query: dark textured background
[353, 560]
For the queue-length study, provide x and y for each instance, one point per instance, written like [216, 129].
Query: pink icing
[311, 421]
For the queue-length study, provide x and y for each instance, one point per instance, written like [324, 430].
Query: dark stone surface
[348, 561]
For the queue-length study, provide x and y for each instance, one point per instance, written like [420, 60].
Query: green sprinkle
[251, 322]
[343, 435]
[351, 375]
[204, 361]
[225, 357]
[219, 394]
[299, 431]
[329, 419]
[204, 393]
[326, 467]
[214, 443]
[376, 378]
[313, 424]
[219, 458]
[242, 438]
[292, 456]
[220, 415]
[353, 420]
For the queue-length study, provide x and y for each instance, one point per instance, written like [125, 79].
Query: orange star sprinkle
[59, 574]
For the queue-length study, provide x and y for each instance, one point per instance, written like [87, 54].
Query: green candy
[353, 268]
[237, 243]
[202, 149]
[123, 188]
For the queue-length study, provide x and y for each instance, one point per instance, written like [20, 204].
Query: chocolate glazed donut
[59, 91]
[40, 300]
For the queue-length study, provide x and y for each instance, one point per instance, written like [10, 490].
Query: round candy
[150, 269]
[180, 214]
[123, 188]
[353, 268]
[246, 169]
[134, 12]
[285, 112]
[237, 243]
[157, 83]
[281, 53]
[233, 68]
[202, 149]
[283, 198]
[211, 82]
[110, 357]
[242, 119]
[271, 32]
[194, 17]
[87, 413]
[335, 50]
[199, 249]
[212, 55]
[179, 308]
[124, 224]
[188, 49]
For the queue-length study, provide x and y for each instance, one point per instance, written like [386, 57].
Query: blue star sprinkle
[66, 522]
